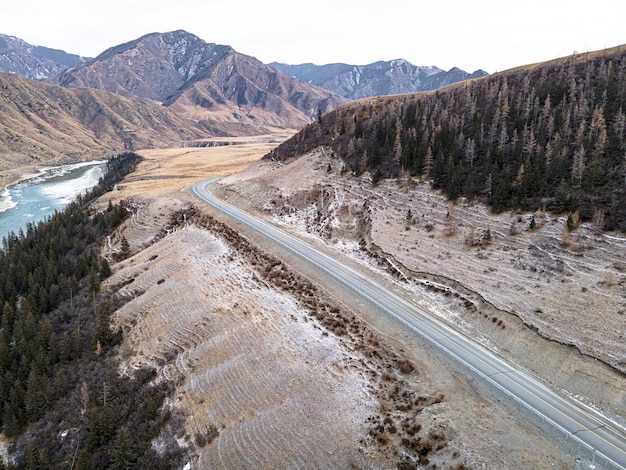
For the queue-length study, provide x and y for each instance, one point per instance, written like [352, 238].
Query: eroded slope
[502, 288]
[270, 375]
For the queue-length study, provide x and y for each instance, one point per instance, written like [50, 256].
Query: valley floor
[276, 373]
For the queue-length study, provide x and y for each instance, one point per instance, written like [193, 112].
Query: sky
[492, 35]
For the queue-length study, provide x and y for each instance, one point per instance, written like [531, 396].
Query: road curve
[605, 441]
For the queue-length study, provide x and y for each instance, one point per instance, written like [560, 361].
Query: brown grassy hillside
[44, 124]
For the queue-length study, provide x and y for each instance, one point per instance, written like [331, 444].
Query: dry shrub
[406, 366]
[208, 436]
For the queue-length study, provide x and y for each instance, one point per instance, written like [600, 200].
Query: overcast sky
[492, 35]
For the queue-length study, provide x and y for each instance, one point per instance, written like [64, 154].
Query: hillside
[45, 125]
[548, 136]
[268, 371]
[377, 79]
[233, 354]
[411, 186]
[271, 370]
[233, 93]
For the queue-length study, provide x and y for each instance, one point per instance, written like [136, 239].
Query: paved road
[605, 441]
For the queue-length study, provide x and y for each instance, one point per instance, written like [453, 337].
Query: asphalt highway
[606, 442]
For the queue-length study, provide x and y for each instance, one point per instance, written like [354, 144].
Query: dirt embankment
[550, 299]
[271, 374]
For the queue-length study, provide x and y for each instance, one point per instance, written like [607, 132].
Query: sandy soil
[269, 378]
[250, 362]
[266, 376]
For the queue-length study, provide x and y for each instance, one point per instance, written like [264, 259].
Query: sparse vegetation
[55, 123]
[397, 420]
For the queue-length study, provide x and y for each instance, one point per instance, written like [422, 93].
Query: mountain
[44, 124]
[34, 62]
[548, 136]
[377, 79]
[234, 93]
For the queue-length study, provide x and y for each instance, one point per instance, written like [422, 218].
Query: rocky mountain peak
[376, 79]
[153, 66]
[10, 43]
[203, 81]
[33, 62]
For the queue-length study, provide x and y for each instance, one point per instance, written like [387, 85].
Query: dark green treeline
[58, 382]
[550, 136]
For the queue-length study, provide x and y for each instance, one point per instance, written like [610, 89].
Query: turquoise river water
[37, 197]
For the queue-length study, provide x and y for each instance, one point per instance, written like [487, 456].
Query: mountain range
[204, 82]
[180, 60]
[180, 87]
[378, 79]
[34, 62]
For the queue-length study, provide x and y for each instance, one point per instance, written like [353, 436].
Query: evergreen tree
[103, 333]
[124, 247]
[84, 460]
[123, 457]
[33, 460]
[105, 268]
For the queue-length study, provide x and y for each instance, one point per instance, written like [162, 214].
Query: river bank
[36, 195]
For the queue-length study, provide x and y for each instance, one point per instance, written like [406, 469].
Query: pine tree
[124, 247]
[578, 167]
[84, 460]
[33, 402]
[103, 333]
[105, 268]
[5, 354]
[123, 457]
[14, 418]
[33, 460]
[429, 162]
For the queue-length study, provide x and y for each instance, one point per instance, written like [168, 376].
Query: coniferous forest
[63, 401]
[550, 136]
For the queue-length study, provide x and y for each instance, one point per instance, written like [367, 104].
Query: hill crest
[545, 136]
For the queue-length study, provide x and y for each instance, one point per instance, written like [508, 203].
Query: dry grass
[246, 326]
[167, 171]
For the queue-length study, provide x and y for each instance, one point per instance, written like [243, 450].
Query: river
[36, 197]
